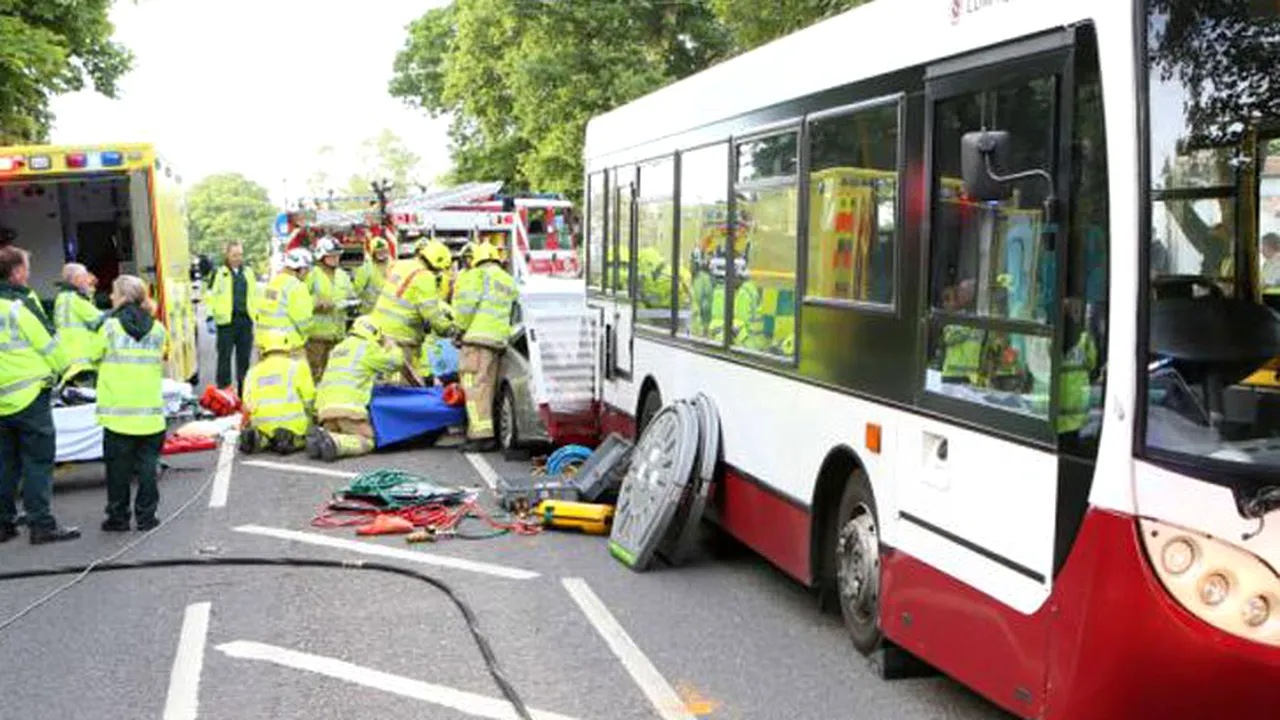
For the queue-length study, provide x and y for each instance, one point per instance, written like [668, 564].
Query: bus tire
[856, 561]
[650, 404]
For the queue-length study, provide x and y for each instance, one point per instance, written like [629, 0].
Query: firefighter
[411, 301]
[372, 275]
[961, 344]
[279, 395]
[131, 350]
[233, 304]
[331, 292]
[284, 315]
[77, 319]
[30, 362]
[483, 303]
[342, 404]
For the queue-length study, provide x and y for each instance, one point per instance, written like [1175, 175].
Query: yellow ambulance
[117, 209]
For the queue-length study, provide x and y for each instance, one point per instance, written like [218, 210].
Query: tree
[756, 22]
[522, 78]
[227, 207]
[386, 157]
[49, 47]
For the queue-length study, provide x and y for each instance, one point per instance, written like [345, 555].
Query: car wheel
[508, 430]
[857, 564]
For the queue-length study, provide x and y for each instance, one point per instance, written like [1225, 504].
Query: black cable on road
[473, 624]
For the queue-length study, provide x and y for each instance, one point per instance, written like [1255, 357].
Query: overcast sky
[257, 86]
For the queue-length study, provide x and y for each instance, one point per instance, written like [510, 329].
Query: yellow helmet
[435, 254]
[467, 253]
[365, 327]
[274, 342]
[484, 252]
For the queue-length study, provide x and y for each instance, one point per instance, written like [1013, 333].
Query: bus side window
[704, 224]
[596, 203]
[654, 276]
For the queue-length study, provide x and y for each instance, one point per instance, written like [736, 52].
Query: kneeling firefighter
[342, 405]
[279, 394]
[411, 301]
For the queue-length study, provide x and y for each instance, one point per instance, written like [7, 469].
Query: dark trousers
[234, 337]
[27, 448]
[129, 458]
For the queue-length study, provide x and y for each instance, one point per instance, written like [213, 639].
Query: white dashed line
[460, 700]
[484, 469]
[296, 467]
[660, 694]
[183, 700]
[373, 548]
[222, 475]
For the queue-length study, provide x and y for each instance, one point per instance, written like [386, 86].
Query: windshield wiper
[1256, 507]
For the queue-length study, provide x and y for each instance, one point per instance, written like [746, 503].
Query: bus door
[984, 498]
[619, 313]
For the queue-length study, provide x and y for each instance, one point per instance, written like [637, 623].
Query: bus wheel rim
[858, 565]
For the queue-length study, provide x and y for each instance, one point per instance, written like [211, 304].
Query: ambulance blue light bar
[112, 158]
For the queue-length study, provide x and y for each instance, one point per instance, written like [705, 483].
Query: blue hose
[566, 456]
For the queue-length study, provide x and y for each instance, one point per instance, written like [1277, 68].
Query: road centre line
[460, 700]
[183, 700]
[373, 548]
[222, 475]
[660, 694]
[484, 469]
[296, 467]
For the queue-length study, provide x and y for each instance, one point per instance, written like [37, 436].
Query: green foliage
[227, 207]
[521, 77]
[756, 22]
[381, 157]
[49, 47]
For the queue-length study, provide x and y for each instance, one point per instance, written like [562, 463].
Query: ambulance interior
[101, 221]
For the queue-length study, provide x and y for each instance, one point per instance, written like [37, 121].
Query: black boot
[250, 441]
[150, 522]
[8, 531]
[314, 442]
[283, 442]
[479, 446]
[115, 524]
[58, 533]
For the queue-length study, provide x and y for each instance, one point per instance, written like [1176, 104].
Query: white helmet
[327, 245]
[297, 259]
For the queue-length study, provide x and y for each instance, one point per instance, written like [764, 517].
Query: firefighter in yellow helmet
[372, 275]
[331, 292]
[342, 405]
[279, 393]
[482, 304]
[286, 308]
[411, 302]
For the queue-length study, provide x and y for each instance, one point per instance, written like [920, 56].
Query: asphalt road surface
[579, 635]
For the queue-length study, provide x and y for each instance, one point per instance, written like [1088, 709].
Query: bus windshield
[1213, 293]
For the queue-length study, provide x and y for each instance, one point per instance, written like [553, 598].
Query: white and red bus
[980, 289]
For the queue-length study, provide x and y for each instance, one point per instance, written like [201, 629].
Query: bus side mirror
[983, 155]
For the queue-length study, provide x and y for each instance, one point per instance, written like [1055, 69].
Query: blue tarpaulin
[403, 413]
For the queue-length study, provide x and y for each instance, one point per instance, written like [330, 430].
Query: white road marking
[370, 548]
[295, 467]
[222, 475]
[460, 700]
[183, 701]
[660, 694]
[485, 470]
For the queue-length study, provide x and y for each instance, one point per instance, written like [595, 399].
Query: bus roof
[865, 42]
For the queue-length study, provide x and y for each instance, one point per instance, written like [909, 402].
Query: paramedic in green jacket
[77, 319]
[30, 363]
[232, 303]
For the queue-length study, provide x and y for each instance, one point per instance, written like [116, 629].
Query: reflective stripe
[269, 380]
[130, 412]
[20, 385]
[49, 347]
[18, 344]
[286, 417]
[116, 357]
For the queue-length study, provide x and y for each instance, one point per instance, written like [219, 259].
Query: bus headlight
[1222, 584]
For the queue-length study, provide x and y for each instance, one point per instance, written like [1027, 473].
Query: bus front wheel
[857, 564]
